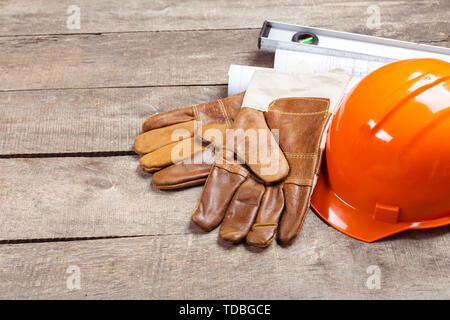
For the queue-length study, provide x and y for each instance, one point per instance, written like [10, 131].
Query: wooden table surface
[71, 191]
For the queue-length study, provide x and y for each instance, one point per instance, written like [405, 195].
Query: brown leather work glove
[251, 209]
[171, 151]
[247, 205]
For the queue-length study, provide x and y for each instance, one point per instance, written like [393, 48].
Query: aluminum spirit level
[276, 35]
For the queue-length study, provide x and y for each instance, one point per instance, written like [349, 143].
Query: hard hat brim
[359, 225]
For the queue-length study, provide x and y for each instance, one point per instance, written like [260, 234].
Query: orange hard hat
[387, 159]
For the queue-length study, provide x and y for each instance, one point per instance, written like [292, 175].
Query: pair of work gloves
[258, 153]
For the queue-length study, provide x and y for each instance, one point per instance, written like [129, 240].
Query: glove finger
[264, 229]
[170, 154]
[160, 120]
[242, 211]
[184, 174]
[155, 139]
[222, 183]
[295, 210]
[218, 111]
[255, 144]
[301, 122]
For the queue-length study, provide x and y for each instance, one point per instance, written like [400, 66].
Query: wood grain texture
[136, 59]
[43, 198]
[69, 198]
[424, 19]
[322, 264]
[126, 59]
[85, 197]
[87, 120]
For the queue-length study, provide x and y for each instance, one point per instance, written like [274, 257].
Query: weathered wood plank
[126, 60]
[322, 264]
[91, 120]
[426, 19]
[133, 59]
[44, 198]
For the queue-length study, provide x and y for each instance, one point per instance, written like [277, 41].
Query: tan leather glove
[169, 148]
[249, 206]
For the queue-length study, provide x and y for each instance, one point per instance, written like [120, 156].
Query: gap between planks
[68, 154]
[118, 87]
[122, 32]
[46, 240]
